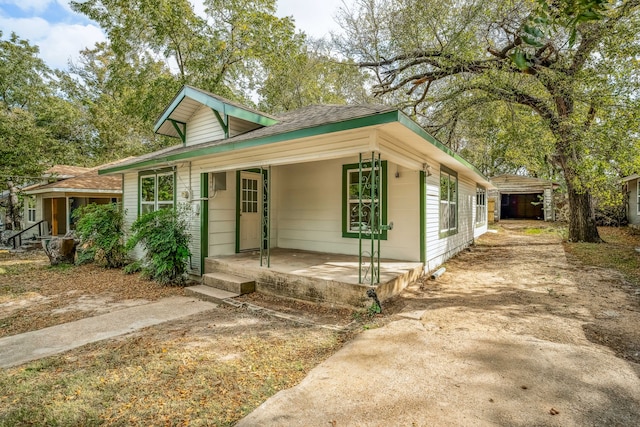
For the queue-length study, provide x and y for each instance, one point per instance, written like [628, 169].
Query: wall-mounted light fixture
[426, 169]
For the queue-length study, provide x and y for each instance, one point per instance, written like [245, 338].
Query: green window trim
[448, 202]
[346, 232]
[481, 206]
[153, 178]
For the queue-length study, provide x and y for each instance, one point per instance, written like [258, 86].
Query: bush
[165, 240]
[99, 228]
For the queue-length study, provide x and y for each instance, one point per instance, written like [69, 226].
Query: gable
[225, 115]
[204, 126]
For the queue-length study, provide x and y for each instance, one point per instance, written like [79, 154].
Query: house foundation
[315, 276]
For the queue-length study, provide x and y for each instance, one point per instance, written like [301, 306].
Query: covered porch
[317, 276]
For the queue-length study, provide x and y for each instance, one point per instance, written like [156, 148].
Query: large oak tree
[573, 64]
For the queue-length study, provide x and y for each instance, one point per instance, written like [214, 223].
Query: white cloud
[30, 5]
[58, 42]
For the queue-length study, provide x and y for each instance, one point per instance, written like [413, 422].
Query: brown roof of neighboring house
[87, 181]
[65, 171]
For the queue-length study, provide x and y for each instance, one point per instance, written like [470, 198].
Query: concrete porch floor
[316, 276]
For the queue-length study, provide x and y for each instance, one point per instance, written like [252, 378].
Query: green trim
[238, 211]
[345, 208]
[216, 104]
[415, 128]
[475, 205]
[139, 195]
[423, 218]
[156, 172]
[181, 132]
[204, 220]
[450, 172]
[224, 122]
[360, 122]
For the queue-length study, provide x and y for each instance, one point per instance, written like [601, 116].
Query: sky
[61, 33]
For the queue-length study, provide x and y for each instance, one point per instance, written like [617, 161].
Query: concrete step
[229, 282]
[207, 293]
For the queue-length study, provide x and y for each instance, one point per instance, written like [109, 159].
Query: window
[31, 209]
[156, 192]
[352, 219]
[448, 202]
[249, 198]
[481, 206]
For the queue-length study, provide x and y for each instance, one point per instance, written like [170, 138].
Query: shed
[523, 197]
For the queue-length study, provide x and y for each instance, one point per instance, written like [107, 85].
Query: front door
[250, 218]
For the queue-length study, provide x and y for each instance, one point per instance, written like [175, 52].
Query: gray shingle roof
[306, 117]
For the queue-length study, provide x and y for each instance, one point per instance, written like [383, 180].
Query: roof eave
[214, 103]
[359, 122]
[417, 129]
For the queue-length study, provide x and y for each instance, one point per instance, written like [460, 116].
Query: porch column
[67, 208]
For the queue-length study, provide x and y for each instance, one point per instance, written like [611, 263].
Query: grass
[617, 252]
[151, 380]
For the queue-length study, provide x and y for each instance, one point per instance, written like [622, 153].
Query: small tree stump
[60, 250]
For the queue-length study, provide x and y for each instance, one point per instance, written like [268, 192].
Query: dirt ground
[515, 333]
[528, 284]
[512, 283]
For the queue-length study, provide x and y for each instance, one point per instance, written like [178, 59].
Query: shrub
[99, 228]
[163, 235]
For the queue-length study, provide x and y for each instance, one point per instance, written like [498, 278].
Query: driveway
[503, 338]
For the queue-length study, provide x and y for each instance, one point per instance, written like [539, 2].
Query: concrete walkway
[18, 349]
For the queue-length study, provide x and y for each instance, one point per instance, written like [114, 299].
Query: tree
[121, 101]
[569, 62]
[223, 51]
[311, 75]
[24, 141]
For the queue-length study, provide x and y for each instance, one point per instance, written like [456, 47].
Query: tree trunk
[582, 219]
[13, 207]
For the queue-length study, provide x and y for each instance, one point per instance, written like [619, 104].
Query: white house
[632, 185]
[255, 182]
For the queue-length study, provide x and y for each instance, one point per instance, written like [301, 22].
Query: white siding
[222, 219]
[203, 127]
[239, 126]
[310, 210]
[440, 249]
[634, 212]
[187, 195]
[130, 205]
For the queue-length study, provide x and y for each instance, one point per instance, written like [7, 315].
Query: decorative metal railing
[265, 208]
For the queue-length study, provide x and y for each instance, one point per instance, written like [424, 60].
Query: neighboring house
[523, 197]
[632, 186]
[253, 182]
[63, 190]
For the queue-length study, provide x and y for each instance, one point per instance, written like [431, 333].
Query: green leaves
[164, 237]
[519, 57]
[100, 229]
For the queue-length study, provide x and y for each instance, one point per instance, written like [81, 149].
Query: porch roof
[307, 122]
